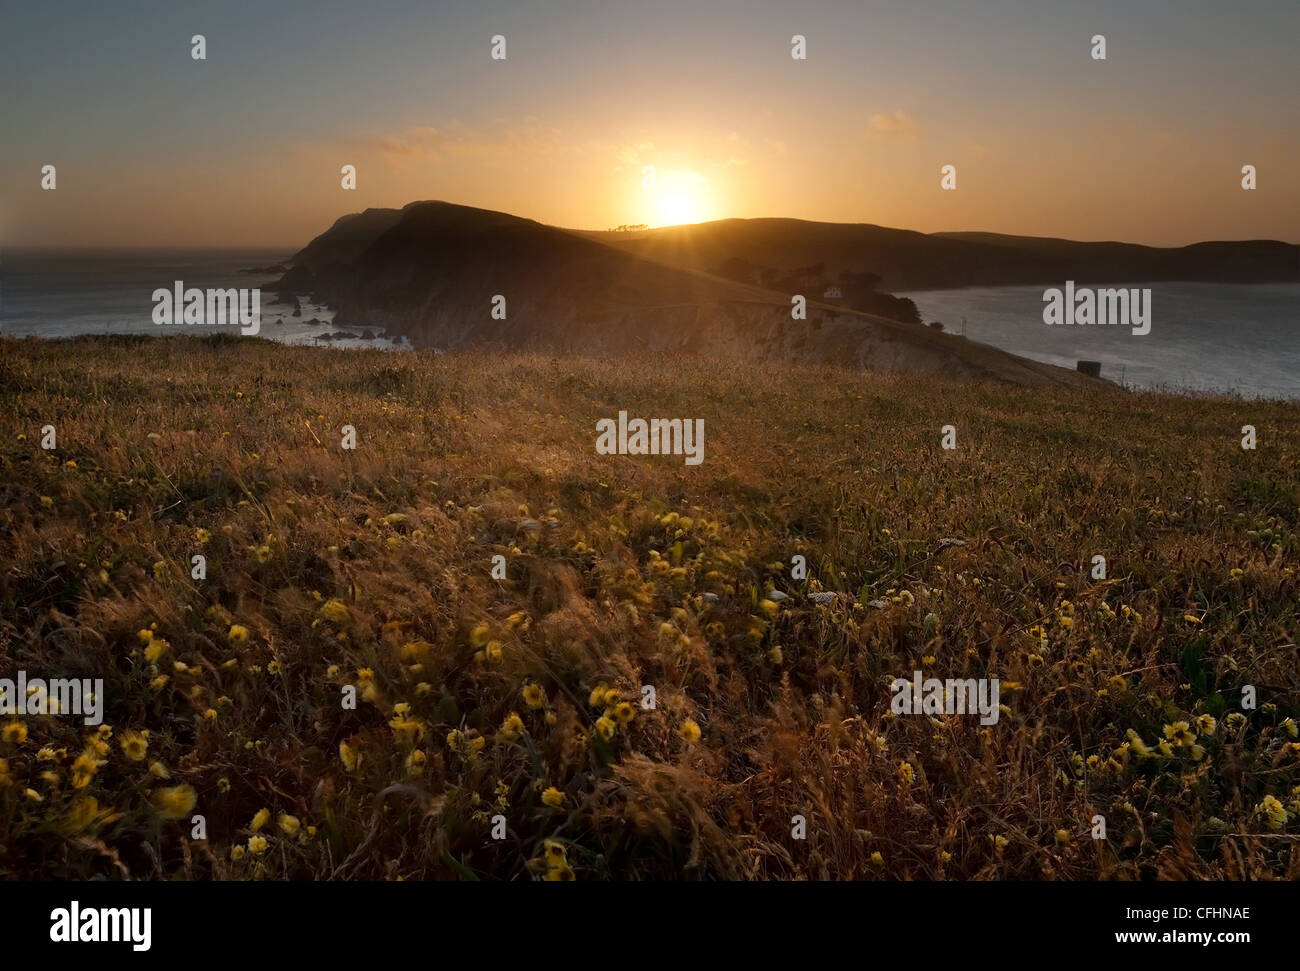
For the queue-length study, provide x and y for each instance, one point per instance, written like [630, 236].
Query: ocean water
[1236, 338]
[67, 294]
[1242, 339]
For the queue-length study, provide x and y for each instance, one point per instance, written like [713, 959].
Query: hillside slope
[330, 568]
[430, 272]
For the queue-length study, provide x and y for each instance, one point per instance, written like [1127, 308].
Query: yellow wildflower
[86, 814]
[410, 728]
[335, 610]
[84, 769]
[554, 852]
[415, 763]
[349, 756]
[553, 797]
[134, 745]
[174, 802]
[512, 727]
[1274, 813]
[1137, 745]
[534, 696]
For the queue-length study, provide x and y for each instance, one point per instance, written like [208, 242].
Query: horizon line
[292, 248]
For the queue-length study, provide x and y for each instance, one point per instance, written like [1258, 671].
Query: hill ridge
[430, 270]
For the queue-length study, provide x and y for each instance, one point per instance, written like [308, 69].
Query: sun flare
[681, 197]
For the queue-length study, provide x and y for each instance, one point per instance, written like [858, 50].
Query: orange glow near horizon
[678, 198]
[1046, 140]
[571, 180]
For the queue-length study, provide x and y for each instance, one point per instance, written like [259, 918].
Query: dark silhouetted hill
[906, 260]
[430, 272]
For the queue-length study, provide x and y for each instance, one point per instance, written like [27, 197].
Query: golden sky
[245, 148]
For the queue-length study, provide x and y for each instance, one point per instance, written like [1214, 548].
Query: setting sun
[681, 197]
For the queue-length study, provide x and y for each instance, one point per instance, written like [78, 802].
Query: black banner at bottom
[141, 921]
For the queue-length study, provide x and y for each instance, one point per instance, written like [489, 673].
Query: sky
[245, 148]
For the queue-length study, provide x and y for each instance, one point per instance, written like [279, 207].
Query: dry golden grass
[370, 568]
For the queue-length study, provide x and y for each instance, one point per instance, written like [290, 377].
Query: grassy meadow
[332, 572]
